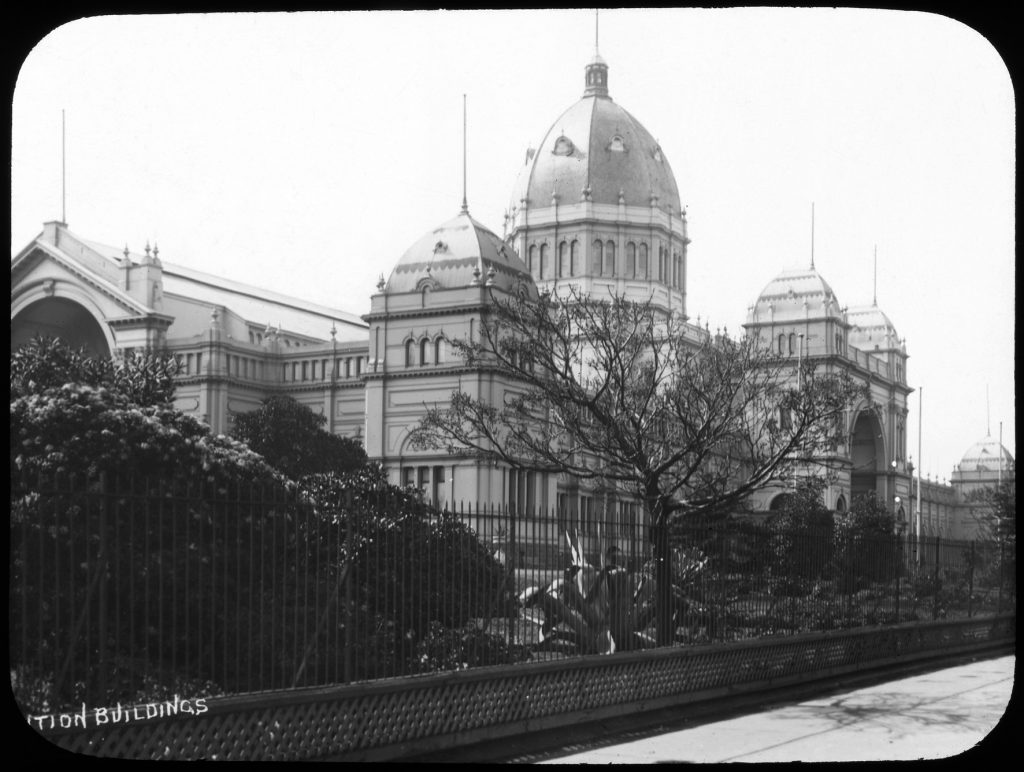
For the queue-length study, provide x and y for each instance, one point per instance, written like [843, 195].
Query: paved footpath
[928, 716]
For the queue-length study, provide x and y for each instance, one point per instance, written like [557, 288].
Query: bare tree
[621, 392]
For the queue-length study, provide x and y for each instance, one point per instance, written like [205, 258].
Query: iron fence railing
[127, 592]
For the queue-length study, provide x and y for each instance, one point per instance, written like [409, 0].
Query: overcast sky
[305, 152]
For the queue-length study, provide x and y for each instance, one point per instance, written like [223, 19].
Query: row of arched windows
[790, 344]
[425, 351]
[544, 265]
[634, 264]
[791, 340]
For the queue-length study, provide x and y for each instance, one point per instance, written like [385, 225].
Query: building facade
[595, 207]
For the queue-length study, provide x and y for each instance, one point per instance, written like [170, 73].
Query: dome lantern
[596, 77]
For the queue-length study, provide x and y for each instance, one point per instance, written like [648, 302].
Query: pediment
[42, 270]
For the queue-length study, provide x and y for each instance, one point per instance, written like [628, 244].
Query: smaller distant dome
[460, 253]
[871, 329]
[796, 293]
[983, 456]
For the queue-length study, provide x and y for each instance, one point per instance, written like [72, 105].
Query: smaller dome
[871, 329]
[796, 293]
[983, 456]
[459, 253]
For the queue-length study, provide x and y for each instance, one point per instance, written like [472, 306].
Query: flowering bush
[82, 430]
[149, 553]
[145, 378]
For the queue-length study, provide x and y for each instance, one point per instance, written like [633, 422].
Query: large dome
[596, 151]
[983, 456]
[795, 294]
[459, 253]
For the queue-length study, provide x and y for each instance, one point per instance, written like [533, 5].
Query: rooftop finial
[812, 235]
[597, 71]
[874, 281]
[465, 205]
[63, 173]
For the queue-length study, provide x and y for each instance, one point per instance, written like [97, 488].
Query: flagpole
[1000, 478]
[917, 525]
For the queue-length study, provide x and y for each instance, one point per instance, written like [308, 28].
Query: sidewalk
[933, 715]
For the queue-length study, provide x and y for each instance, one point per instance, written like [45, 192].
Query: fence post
[970, 581]
[101, 560]
[663, 584]
[349, 514]
[1002, 569]
[899, 572]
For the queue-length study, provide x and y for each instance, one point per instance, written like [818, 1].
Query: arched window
[785, 418]
[631, 260]
[531, 260]
[609, 259]
[574, 258]
[597, 259]
[410, 356]
[425, 352]
[792, 343]
[841, 504]
[545, 262]
[440, 354]
[643, 267]
[782, 343]
[564, 269]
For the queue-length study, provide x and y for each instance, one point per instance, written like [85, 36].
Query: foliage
[412, 569]
[84, 431]
[801, 539]
[867, 515]
[622, 394]
[443, 648]
[212, 565]
[144, 378]
[615, 391]
[867, 548]
[607, 608]
[291, 437]
[111, 504]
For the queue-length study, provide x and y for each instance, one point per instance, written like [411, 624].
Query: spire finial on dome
[812, 235]
[596, 81]
[465, 205]
[874, 281]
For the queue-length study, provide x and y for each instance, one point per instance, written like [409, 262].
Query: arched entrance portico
[867, 456]
[59, 318]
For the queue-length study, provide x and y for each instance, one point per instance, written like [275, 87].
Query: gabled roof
[94, 272]
[261, 306]
[101, 266]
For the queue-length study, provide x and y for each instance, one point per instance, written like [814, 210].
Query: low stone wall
[383, 720]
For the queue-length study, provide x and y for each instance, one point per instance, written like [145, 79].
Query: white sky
[304, 152]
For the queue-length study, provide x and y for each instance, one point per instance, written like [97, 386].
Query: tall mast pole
[917, 523]
[63, 172]
[465, 205]
[812, 235]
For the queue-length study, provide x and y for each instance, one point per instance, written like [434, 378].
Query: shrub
[290, 436]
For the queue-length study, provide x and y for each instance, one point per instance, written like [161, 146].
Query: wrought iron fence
[126, 591]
